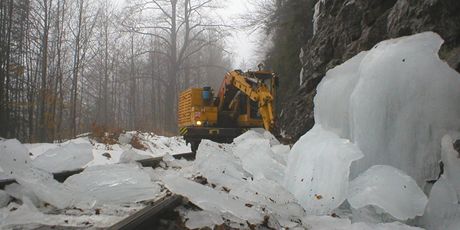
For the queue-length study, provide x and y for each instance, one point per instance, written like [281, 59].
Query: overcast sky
[242, 43]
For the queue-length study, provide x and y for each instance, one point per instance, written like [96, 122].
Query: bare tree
[179, 26]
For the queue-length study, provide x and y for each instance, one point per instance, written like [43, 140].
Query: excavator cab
[245, 100]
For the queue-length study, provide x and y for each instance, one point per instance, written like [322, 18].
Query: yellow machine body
[244, 100]
[194, 111]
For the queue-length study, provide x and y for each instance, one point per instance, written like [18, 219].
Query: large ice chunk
[329, 223]
[68, 157]
[389, 189]
[202, 219]
[130, 156]
[256, 133]
[395, 102]
[443, 209]
[21, 192]
[217, 163]
[318, 169]
[258, 159]
[15, 160]
[331, 109]
[451, 160]
[211, 200]
[4, 199]
[120, 183]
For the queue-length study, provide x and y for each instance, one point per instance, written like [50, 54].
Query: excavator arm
[258, 92]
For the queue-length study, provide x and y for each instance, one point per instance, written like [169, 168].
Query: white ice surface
[395, 102]
[257, 133]
[443, 209]
[389, 189]
[211, 200]
[130, 156]
[15, 160]
[258, 159]
[222, 168]
[201, 219]
[451, 159]
[27, 216]
[114, 184]
[318, 169]
[67, 157]
[21, 192]
[36, 149]
[4, 199]
[331, 223]
[217, 163]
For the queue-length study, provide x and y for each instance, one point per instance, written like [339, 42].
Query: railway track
[147, 217]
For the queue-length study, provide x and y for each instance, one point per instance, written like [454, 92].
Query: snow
[114, 184]
[389, 189]
[395, 102]
[317, 14]
[318, 169]
[67, 157]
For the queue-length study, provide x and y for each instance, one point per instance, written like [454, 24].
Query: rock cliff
[343, 28]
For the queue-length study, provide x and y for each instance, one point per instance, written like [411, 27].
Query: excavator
[245, 100]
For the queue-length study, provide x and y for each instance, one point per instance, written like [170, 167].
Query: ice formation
[389, 189]
[114, 184]
[318, 169]
[221, 166]
[130, 156]
[443, 209]
[4, 199]
[201, 219]
[217, 163]
[21, 192]
[15, 160]
[395, 102]
[451, 160]
[211, 200]
[67, 157]
[258, 159]
[328, 223]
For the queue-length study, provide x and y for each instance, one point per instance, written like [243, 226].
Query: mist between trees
[67, 65]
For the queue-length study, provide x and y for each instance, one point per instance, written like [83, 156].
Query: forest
[69, 66]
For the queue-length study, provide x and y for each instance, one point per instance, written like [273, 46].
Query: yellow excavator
[245, 100]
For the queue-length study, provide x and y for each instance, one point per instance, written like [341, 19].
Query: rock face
[343, 28]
